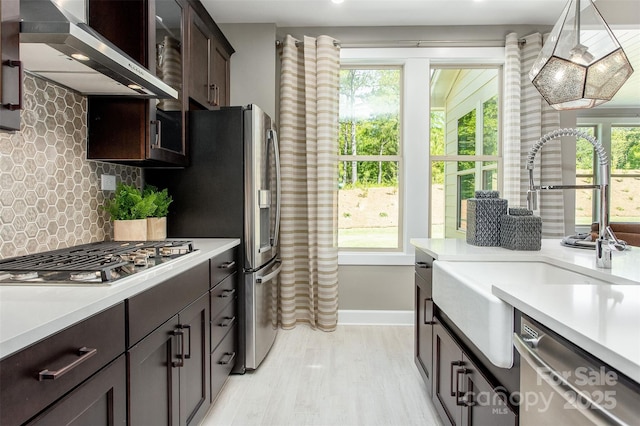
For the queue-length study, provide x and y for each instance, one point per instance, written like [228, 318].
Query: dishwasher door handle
[560, 385]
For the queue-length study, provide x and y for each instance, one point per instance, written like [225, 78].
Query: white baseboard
[351, 317]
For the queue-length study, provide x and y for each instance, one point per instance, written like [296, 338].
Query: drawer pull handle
[227, 358]
[227, 293]
[84, 353]
[422, 265]
[228, 265]
[227, 322]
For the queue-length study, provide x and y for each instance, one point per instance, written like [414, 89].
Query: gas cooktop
[99, 263]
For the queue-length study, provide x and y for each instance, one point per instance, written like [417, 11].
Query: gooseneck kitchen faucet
[606, 238]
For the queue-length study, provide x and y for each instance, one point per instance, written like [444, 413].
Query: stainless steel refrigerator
[232, 189]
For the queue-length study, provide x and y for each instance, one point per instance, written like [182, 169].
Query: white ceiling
[622, 15]
[309, 13]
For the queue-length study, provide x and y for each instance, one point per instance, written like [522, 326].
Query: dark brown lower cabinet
[462, 395]
[169, 370]
[101, 400]
[424, 329]
[424, 317]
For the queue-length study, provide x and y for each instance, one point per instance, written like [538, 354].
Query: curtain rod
[298, 43]
[418, 43]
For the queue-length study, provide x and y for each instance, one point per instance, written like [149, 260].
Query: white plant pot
[156, 228]
[130, 230]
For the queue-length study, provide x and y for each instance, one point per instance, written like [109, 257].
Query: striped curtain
[527, 118]
[309, 89]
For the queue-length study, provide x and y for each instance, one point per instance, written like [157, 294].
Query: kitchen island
[601, 319]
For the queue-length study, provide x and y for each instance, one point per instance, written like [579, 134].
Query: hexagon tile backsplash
[50, 194]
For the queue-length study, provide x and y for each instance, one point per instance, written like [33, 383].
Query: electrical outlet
[108, 183]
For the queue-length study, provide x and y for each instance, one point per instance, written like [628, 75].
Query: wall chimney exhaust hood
[58, 46]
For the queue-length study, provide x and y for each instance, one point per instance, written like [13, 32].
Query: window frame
[416, 62]
[479, 159]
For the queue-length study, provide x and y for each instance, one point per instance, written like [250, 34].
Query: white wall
[253, 65]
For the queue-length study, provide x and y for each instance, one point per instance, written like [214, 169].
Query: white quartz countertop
[31, 313]
[603, 319]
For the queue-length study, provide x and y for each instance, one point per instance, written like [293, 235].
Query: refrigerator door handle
[276, 149]
[269, 276]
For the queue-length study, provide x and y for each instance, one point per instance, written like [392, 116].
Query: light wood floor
[357, 375]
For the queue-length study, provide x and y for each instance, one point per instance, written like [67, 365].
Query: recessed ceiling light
[134, 86]
[79, 57]
[337, 1]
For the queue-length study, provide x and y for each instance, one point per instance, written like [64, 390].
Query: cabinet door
[101, 400]
[199, 61]
[424, 329]
[140, 132]
[154, 377]
[194, 374]
[447, 368]
[220, 69]
[10, 71]
[482, 404]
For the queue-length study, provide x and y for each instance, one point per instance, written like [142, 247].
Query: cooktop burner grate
[95, 262]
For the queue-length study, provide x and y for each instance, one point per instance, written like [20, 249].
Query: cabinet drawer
[222, 323]
[424, 265]
[223, 293]
[148, 310]
[223, 265]
[102, 339]
[222, 361]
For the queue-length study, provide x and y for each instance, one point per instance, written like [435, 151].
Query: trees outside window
[622, 144]
[369, 158]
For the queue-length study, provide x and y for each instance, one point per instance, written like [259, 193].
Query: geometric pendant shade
[582, 64]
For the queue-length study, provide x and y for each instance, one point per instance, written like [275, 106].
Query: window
[414, 67]
[370, 161]
[622, 143]
[465, 144]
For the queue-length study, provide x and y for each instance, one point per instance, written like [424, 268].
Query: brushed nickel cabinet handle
[427, 321]
[180, 363]
[227, 293]
[12, 64]
[84, 353]
[228, 265]
[422, 265]
[227, 358]
[227, 321]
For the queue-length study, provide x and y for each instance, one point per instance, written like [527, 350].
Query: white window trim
[416, 63]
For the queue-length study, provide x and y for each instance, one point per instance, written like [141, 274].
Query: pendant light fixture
[582, 64]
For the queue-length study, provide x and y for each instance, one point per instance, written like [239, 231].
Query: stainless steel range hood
[57, 45]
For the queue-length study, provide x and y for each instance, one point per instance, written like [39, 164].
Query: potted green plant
[157, 221]
[129, 210]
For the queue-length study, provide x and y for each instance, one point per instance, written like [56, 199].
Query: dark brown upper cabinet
[11, 69]
[156, 33]
[209, 55]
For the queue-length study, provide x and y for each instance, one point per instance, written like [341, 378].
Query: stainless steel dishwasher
[560, 384]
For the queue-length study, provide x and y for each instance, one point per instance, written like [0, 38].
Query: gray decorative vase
[521, 230]
[483, 218]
